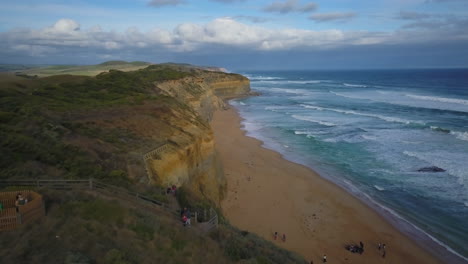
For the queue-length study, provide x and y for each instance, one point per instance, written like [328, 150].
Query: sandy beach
[268, 194]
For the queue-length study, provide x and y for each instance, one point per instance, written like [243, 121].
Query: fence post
[43, 208]
[90, 183]
[19, 218]
[196, 217]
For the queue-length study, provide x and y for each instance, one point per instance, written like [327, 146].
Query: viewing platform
[13, 215]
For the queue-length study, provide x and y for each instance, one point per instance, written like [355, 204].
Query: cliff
[189, 158]
[138, 128]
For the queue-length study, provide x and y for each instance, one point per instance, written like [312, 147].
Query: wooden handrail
[95, 185]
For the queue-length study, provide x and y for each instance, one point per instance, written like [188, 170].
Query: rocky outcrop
[431, 169]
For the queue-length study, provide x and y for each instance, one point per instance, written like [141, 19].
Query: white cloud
[66, 26]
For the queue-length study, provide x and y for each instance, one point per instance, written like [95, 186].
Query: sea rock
[431, 169]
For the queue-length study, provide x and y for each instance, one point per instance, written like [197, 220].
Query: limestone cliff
[189, 157]
[205, 91]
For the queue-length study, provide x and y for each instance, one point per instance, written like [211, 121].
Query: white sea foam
[313, 107]
[306, 133]
[274, 108]
[457, 134]
[241, 103]
[264, 78]
[368, 137]
[396, 98]
[460, 135]
[304, 82]
[291, 91]
[354, 85]
[351, 112]
[438, 99]
[347, 96]
[308, 119]
[379, 188]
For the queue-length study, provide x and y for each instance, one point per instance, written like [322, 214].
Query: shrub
[143, 231]
[115, 256]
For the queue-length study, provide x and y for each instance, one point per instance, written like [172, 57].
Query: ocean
[370, 131]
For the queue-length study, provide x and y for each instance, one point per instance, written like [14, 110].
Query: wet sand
[268, 194]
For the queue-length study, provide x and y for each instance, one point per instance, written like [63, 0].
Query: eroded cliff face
[205, 91]
[188, 158]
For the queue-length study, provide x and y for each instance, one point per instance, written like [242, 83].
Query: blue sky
[239, 34]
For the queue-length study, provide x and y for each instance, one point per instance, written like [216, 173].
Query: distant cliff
[137, 128]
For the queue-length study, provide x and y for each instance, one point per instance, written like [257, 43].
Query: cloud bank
[221, 39]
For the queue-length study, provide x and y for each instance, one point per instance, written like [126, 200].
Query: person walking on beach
[361, 248]
[284, 237]
[324, 258]
[276, 235]
[380, 246]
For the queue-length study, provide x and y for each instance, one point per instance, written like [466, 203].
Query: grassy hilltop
[87, 70]
[70, 126]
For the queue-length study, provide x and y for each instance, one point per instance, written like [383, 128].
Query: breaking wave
[354, 85]
[350, 112]
[438, 99]
[457, 134]
[308, 119]
[379, 188]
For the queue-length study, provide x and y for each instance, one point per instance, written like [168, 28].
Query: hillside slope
[142, 130]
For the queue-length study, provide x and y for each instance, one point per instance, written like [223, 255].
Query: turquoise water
[370, 131]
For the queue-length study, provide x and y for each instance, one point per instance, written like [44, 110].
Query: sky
[238, 34]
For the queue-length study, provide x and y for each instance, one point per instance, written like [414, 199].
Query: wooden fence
[95, 185]
[11, 218]
[213, 222]
[153, 154]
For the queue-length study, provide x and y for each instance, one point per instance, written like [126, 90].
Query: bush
[115, 256]
[143, 231]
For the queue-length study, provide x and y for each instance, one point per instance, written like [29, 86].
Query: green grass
[85, 70]
[35, 120]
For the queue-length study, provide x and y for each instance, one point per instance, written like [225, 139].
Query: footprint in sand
[310, 221]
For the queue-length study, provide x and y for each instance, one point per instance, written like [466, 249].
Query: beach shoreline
[267, 194]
